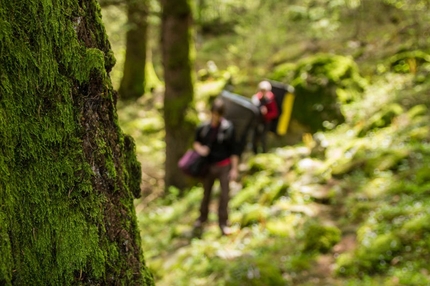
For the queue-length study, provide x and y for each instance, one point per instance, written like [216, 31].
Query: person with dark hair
[264, 99]
[216, 140]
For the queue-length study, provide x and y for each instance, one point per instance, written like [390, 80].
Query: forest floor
[321, 271]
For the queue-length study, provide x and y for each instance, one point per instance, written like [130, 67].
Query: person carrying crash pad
[216, 140]
[264, 99]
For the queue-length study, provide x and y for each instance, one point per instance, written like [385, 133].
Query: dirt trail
[322, 271]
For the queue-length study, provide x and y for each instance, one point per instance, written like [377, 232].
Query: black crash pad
[243, 113]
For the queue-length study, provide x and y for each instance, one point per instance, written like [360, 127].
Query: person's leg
[264, 132]
[257, 137]
[208, 182]
[224, 198]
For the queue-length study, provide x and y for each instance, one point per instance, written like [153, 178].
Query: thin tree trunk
[68, 175]
[133, 80]
[178, 98]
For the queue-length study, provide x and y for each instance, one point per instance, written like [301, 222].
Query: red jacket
[269, 102]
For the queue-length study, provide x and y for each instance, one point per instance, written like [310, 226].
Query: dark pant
[260, 136]
[220, 173]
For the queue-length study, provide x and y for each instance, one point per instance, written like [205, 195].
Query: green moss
[381, 119]
[372, 257]
[133, 173]
[251, 191]
[408, 61]
[253, 214]
[66, 206]
[249, 271]
[271, 163]
[322, 83]
[319, 237]
[273, 192]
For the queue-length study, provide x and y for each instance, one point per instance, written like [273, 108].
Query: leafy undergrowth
[347, 207]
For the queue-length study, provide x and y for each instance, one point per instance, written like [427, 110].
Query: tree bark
[178, 97]
[68, 175]
[133, 80]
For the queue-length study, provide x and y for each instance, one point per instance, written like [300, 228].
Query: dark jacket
[221, 140]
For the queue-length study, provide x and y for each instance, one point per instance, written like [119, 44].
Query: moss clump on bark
[67, 173]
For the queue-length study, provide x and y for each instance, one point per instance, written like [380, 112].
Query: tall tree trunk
[178, 97]
[133, 80]
[68, 175]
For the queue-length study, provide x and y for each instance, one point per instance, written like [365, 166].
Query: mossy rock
[270, 163]
[322, 83]
[273, 192]
[381, 119]
[254, 272]
[354, 156]
[248, 195]
[359, 209]
[319, 237]
[280, 227]
[284, 72]
[346, 265]
[377, 254]
[253, 214]
[386, 160]
[251, 191]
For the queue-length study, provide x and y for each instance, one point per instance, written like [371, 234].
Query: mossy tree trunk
[178, 97]
[133, 80]
[68, 175]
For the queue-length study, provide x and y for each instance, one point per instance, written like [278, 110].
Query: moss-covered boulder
[322, 83]
[319, 237]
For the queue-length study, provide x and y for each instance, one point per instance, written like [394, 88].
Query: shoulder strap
[206, 127]
[226, 129]
[224, 132]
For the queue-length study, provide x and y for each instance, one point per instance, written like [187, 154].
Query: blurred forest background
[343, 198]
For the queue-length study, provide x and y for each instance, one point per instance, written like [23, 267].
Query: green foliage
[385, 239]
[395, 233]
[260, 163]
[253, 214]
[273, 192]
[219, 17]
[320, 238]
[409, 61]
[251, 192]
[382, 118]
